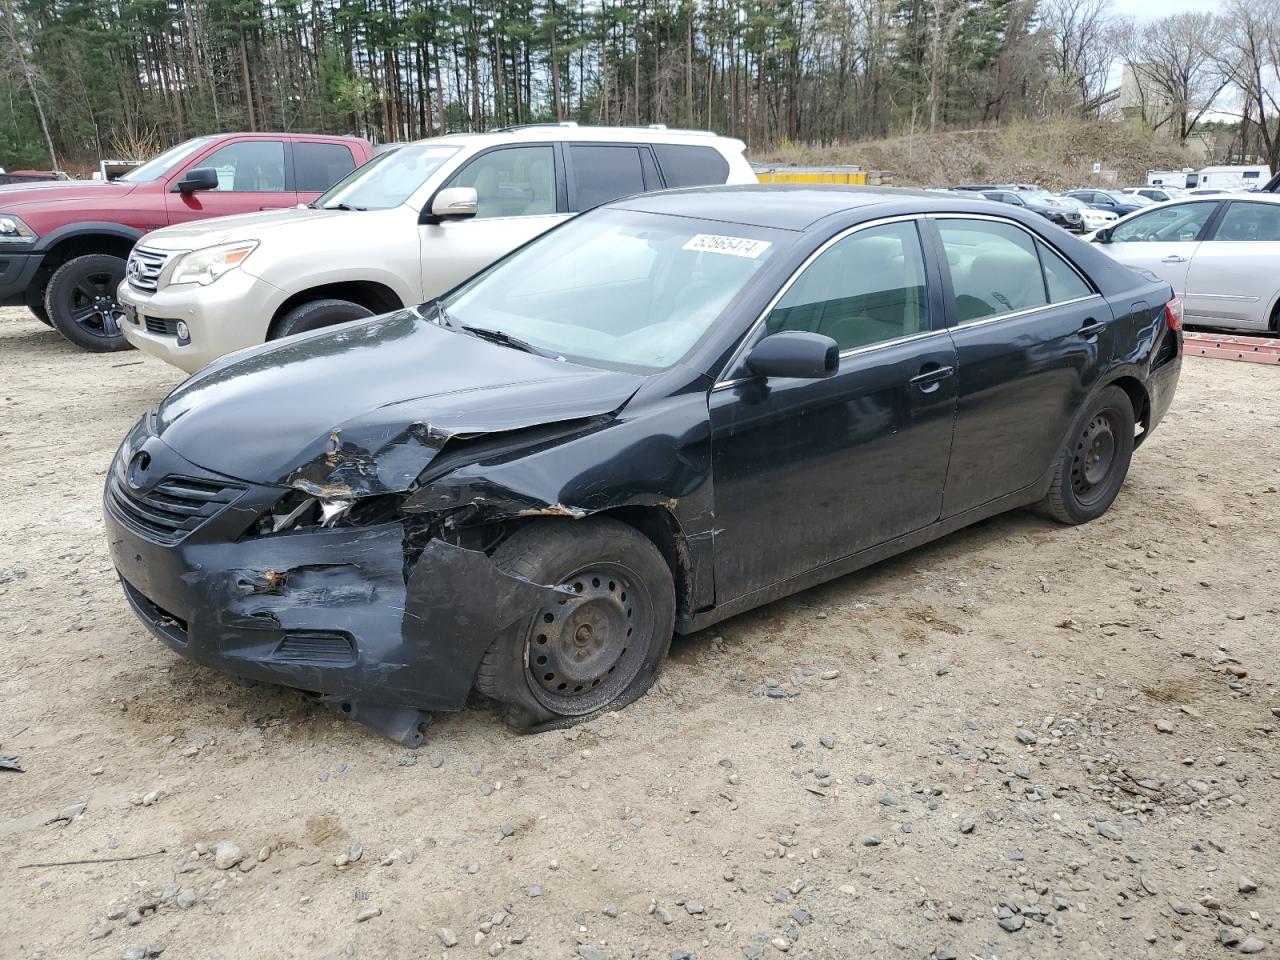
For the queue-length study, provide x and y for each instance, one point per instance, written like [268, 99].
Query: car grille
[143, 268]
[162, 326]
[172, 509]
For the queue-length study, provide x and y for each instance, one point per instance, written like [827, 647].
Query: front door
[253, 175]
[1031, 337]
[807, 472]
[1162, 240]
[519, 195]
[1232, 277]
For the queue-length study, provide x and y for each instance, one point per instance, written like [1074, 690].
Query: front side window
[388, 180]
[318, 166]
[605, 172]
[512, 182]
[1245, 221]
[250, 166]
[866, 288]
[994, 268]
[617, 287]
[1165, 225]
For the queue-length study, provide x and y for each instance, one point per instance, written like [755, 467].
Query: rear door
[1233, 279]
[253, 174]
[1163, 240]
[520, 194]
[1032, 338]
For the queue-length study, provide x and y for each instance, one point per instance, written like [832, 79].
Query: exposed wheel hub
[577, 645]
[1095, 454]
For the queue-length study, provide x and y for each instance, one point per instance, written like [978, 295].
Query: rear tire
[1092, 466]
[317, 314]
[81, 302]
[581, 656]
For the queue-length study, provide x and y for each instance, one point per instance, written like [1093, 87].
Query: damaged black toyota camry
[667, 411]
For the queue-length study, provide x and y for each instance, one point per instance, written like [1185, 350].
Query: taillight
[1173, 314]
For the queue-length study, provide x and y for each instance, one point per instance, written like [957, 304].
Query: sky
[1149, 9]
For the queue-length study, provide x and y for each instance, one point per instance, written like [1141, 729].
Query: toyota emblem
[138, 466]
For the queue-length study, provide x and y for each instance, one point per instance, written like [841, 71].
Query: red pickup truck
[63, 244]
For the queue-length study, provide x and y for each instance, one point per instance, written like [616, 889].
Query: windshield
[617, 286]
[388, 180]
[158, 167]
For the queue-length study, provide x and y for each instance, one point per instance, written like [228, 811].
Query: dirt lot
[1023, 741]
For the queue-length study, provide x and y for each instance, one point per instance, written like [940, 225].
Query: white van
[1232, 178]
[406, 227]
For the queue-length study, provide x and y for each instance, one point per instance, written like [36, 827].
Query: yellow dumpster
[844, 175]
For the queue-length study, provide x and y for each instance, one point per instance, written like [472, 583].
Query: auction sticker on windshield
[733, 246]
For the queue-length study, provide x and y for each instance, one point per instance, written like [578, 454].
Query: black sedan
[665, 412]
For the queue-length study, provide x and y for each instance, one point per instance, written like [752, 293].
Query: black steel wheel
[82, 305]
[1091, 469]
[601, 644]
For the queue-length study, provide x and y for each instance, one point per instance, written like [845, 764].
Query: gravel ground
[1023, 741]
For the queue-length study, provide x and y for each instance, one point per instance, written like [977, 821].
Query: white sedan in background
[1220, 254]
[1091, 217]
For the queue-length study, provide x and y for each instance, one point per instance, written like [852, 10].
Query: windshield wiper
[505, 339]
[341, 206]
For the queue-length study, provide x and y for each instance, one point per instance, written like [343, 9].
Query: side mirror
[795, 353]
[1103, 235]
[201, 178]
[455, 203]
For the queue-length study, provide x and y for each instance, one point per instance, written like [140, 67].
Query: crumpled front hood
[363, 409]
[242, 226]
[15, 196]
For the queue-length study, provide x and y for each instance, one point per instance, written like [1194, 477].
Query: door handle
[1090, 329]
[1174, 258]
[931, 377]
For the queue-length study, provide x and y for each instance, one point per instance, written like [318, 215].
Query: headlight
[205, 266]
[13, 230]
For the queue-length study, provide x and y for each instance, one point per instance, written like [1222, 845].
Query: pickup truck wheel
[317, 314]
[599, 647]
[82, 305]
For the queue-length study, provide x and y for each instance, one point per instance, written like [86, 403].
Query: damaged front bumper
[379, 630]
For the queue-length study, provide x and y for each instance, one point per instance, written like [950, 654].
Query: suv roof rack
[575, 125]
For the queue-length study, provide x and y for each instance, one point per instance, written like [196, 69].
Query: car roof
[794, 206]
[542, 132]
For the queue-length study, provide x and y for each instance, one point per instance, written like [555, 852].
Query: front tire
[82, 305]
[598, 650]
[1092, 466]
[34, 300]
[317, 314]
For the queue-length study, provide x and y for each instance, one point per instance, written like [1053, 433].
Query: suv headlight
[205, 266]
[13, 230]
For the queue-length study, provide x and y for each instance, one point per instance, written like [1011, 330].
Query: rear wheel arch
[370, 294]
[1138, 399]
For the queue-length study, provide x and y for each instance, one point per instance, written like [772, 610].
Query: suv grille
[176, 507]
[143, 268]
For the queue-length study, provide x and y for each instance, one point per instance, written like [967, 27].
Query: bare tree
[1081, 33]
[1246, 52]
[1173, 70]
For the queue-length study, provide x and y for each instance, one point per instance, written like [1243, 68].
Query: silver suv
[405, 227]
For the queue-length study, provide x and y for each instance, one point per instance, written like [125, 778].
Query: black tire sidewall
[317, 315]
[57, 301]
[549, 552]
[1116, 401]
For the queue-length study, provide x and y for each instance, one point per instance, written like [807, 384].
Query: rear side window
[1250, 221]
[604, 173]
[686, 166]
[1061, 278]
[864, 289]
[994, 268]
[318, 166]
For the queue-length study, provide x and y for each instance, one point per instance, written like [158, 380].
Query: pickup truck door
[253, 174]
[520, 193]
